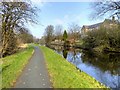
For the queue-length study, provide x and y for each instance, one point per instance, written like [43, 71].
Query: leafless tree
[42, 40]
[14, 15]
[74, 31]
[49, 31]
[24, 36]
[0, 35]
[58, 32]
[106, 8]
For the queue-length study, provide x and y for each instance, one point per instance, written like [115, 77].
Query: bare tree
[74, 31]
[14, 15]
[24, 36]
[0, 35]
[0, 41]
[106, 7]
[49, 31]
[58, 32]
[42, 40]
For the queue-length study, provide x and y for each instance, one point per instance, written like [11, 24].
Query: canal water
[103, 67]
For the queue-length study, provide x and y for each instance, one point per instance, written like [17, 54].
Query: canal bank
[64, 74]
[104, 67]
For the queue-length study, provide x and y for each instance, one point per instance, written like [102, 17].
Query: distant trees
[36, 40]
[0, 41]
[58, 32]
[74, 31]
[0, 36]
[42, 40]
[49, 34]
[57, 36]
[109, 7]
[24, 36]
[14, 16]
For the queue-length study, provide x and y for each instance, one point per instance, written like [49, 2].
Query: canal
[104, 67]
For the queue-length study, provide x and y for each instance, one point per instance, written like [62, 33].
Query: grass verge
[13, 65]
[64, 74]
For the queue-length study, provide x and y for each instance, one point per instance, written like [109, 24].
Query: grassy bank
[64, 74]
[13, 65]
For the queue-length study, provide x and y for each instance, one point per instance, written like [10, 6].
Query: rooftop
[98, 24]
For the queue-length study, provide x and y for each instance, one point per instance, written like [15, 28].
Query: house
[86, 28]
[107, 23]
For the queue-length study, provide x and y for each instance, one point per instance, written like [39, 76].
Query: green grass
[13, 65]
[64, 74]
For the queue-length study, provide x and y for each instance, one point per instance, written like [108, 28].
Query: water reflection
[65, 52]
[106, 62]
[103, 67]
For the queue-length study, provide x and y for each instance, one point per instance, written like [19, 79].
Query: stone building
[107, 23]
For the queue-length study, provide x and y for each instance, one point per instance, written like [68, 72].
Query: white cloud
[59, 21]
[66, 16]
[39, 3]
[67, 19]
[63, 20]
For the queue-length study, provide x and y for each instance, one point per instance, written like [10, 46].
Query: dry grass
[23, 46]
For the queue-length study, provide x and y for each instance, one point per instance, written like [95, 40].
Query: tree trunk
[8, 40]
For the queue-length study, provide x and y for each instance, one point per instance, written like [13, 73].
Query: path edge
[46, 68]
[14, 83]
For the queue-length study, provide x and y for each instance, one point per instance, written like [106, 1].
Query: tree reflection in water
[72, 53]
[106, 62]
[65, 52]
[104, 67]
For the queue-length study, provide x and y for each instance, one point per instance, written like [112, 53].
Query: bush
[109, 38]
